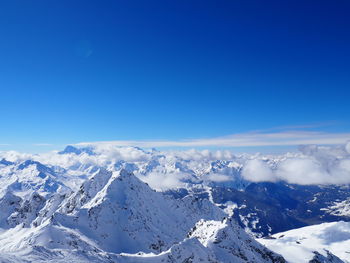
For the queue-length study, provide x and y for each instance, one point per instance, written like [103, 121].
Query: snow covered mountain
[322, 241]
[22, 178]
[115, 217]
[102, 203]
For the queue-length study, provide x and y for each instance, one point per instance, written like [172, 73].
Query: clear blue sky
[74, 71]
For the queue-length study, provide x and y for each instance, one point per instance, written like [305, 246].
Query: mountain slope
[126, 209]
[118, 218]
[299, 245]
[230, 243]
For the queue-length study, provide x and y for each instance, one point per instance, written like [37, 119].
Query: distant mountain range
[101, 203]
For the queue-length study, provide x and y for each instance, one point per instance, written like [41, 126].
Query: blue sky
[75, 71]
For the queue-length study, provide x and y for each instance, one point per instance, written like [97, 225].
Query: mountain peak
[77, 150]
[125, 174]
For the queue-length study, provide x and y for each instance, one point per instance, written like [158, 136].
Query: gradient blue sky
[73, 71]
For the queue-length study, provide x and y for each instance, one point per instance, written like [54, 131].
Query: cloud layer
[283, 138]
[316, 165]
[168, 169]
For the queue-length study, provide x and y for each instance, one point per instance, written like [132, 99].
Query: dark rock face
[330, 258]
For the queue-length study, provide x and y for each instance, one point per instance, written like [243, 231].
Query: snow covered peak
[126, 208]
[29, 176]
[230, 243]
[77, 150]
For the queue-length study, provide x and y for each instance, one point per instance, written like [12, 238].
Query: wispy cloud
[302, 126]
[250, 139]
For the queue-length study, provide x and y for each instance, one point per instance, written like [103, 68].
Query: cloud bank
[169, 169]
[315, 165]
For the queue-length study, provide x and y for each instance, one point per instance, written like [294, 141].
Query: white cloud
[164, 181]
[14, 156]
[315, 165]
[283, 138]
[206, 155]
[258, 171]
[347, 147]
[303, 171]
[218, 178]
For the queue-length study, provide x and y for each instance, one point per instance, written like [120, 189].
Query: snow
[297, 245]
[339, 208]
[115, 217]
[230, 243]
[103, 203]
